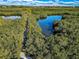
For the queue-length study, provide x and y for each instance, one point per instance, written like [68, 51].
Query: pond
[11, 17]
[46, 24]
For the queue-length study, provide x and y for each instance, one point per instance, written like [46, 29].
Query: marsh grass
[65, 46]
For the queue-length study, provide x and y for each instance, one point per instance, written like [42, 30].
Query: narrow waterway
[11, 17]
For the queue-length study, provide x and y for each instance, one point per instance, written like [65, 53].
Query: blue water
[46, 24]
[11, 17]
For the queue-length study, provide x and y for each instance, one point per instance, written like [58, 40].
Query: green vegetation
[11, 36]
[59, 46]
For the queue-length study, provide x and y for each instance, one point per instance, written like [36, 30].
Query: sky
[67, 0]
[42, 0]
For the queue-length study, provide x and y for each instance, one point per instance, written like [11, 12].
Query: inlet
[47, 24]
[11, 17]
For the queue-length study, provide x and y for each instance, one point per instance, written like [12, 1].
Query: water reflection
[47, 24]
[11, 17]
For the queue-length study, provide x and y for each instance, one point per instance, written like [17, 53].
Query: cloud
[67, 2]
[19, 0]
[27, 0]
